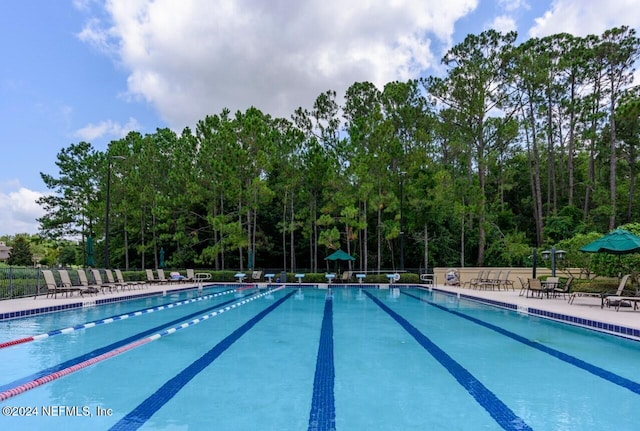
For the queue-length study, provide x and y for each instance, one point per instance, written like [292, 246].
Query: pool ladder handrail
[199, 277]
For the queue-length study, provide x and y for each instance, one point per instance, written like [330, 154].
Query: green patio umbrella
[619, 241]
[90, 257]
[161, 264]
[339, 255]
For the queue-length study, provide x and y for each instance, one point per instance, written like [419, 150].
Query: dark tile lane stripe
[112, 319]
[498, 410]
[79, 359]
[323, 411]
[139, 415]
[593, 369]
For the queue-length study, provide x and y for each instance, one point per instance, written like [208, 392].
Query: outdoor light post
[108, 203]
[554, 255]
[402, 174]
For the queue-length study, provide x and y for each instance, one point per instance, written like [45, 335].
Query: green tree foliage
[20, 254]
[72, 208]
[514, 147]
[68, 255]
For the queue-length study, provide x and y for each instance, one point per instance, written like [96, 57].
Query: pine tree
[20, 254]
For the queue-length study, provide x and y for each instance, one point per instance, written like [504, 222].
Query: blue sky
[90, 70]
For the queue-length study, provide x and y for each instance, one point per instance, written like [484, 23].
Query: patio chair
[491, 282]
[191, 276]
[164, 279]
[346, 276]
[51, 284]
[524, 286]
[504, 282]
[615, 300]
[124, 283]
[256, 275]
[68, 285]
[564, 290]
[535, 287]
[628, 301]
[102, 285]
[603, 296]
[473, 283]
[110, 280]
[550, 284]
[86, 287]
[152, 278]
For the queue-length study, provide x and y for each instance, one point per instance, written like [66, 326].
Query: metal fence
[19, 282]
[22, 282]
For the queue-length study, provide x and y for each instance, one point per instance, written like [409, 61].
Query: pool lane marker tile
[52, 373]
[37, 311]
[139, 415]
[111, 319]
[55, 308]
[498, 410]
[595, 325]
[323, 411]
[565, 357]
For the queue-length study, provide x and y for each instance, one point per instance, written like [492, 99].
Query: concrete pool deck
[585, 311]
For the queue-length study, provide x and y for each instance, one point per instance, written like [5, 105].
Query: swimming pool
[316, 359]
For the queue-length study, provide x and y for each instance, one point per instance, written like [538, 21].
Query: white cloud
[19, 209]
[514, 5]
[195, 57]
[583, 17]
[504, 24]
[106, 128]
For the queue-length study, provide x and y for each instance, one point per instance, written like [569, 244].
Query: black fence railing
[22, 282]
[19, 282]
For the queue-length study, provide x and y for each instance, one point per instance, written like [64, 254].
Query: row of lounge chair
[104, 281]
[174, 278]
[63, 284]
[616, 300]
[487, 280]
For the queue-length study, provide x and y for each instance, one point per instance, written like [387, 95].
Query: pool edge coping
[582, 322]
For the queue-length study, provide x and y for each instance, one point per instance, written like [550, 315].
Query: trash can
[283, 277]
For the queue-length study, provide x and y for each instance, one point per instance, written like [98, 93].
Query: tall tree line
[513, 147]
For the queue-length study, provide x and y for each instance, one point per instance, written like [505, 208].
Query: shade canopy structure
[339, 255]
[90, 256]
[619, 241]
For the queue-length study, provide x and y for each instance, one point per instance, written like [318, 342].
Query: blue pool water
[345, 359]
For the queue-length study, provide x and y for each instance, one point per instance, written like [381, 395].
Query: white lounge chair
[603, 296]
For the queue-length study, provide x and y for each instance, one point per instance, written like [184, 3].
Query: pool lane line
[323, 411]
[6, 394]
[565, 357]
[113, 346]
[498, 410]
[110, 319]
[143, 412]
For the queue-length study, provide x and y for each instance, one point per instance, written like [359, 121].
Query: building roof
[4, 251]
